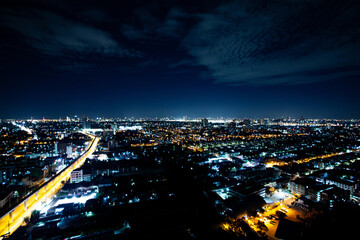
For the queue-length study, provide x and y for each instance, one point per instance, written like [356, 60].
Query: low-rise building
[78, 175]
[333, 195]
[300, 186]
[341, 183]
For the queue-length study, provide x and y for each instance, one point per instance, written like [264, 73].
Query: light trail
[15, 217]
[23, 128]
[305, 160]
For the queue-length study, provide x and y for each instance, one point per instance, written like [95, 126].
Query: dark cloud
[182, 63]
[285, 42]
[164, 56]
[238, 42]
[148, 25]
[55, 35]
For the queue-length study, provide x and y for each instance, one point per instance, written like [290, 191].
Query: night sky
[180, 58]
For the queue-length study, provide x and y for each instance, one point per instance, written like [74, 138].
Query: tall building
[64, 146]
[85, 123]
[204, 122]
[56, 148]
[114, 126]
[69, 151]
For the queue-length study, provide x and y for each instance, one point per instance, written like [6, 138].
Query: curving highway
[15, 217]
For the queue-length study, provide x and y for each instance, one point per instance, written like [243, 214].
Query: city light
[12, 220]
[253, 176]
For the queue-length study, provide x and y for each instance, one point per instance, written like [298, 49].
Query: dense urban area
[179, 178]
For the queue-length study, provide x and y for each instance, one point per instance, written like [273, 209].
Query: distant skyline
[241, 59]
[183, 118]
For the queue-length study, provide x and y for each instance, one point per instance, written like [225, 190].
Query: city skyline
[235, 59]
[121, 179]
[179, 119]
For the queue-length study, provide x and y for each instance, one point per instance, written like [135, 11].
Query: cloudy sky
[255, 58]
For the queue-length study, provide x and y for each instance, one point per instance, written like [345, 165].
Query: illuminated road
[23, 128]
[305, 160]
[15, 217]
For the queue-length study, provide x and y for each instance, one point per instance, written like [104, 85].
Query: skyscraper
[86, 123]
[204, 122]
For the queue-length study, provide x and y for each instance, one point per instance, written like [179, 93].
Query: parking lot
[267, 222]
